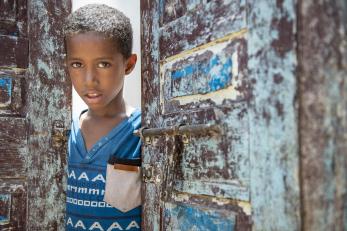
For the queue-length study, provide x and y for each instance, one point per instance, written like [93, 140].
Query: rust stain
[284, 42]
[173, 9]
[277, 78]
[279, 108]
[279, 3]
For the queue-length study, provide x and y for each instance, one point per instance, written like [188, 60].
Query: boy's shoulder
[133, 117]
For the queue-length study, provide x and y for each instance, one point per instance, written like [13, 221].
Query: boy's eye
[76, 64]
[104, 64]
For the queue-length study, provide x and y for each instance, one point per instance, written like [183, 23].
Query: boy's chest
[91, 137]
[92, 132]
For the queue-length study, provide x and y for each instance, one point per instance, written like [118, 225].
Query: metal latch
[182, 130]
[157, 173]
[59, 134]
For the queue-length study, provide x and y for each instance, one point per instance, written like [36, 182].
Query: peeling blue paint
[5, 210]
[182, 217]
[225, 75]
[184, 72]
[5, 90]
[212, 74]
[6, 84]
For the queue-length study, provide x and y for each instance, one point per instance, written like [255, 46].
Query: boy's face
[97, 69]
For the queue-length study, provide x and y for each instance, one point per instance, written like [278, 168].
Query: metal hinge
[59, 134]
[151, 174]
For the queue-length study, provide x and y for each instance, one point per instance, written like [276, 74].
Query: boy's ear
[65, 61]
[130, 64]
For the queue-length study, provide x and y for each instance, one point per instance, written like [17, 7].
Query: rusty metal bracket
[151, 174]
[59, 134]
[186, 138]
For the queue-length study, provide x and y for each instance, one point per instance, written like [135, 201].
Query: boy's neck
[120, 110]
[97, 123]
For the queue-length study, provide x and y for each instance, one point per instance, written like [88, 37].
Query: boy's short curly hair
[105, 20]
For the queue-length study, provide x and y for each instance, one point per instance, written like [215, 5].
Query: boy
[98, 55]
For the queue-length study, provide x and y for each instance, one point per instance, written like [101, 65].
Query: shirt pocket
[123, 183]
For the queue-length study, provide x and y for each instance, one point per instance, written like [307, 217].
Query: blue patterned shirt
[85, 208]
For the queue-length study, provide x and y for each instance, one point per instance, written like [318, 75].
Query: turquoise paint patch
[203, 77]
[6, 85]
[189, 70]
[5, 211]
[5, 91]
[183, 217]
[223, 78]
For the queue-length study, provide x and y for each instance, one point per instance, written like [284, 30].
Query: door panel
[12, 92]
[180, 217]
[196, 74]
[13, 202]
[13, 30]
[12, 151]
[209, 75]
[16, 50]
[216, 165]
[195, 22]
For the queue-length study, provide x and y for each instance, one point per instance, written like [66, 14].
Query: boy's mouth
[93, 97]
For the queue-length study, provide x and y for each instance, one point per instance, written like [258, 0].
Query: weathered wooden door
[221, 103]
[203, 65]
[34, 111]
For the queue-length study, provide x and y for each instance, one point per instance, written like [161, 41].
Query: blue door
[220, 148]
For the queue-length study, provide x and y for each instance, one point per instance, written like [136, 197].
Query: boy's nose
[91, 78]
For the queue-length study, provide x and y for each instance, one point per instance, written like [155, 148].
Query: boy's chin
[94, 107]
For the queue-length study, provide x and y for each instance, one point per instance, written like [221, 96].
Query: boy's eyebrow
[99, 58]
[104, 57]
[73, 58]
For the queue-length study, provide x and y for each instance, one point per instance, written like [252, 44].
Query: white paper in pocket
[123, 186]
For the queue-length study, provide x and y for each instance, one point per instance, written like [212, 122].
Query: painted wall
[132, 88]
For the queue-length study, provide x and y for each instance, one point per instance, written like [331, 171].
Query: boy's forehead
[88, 36]
[80, 39]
